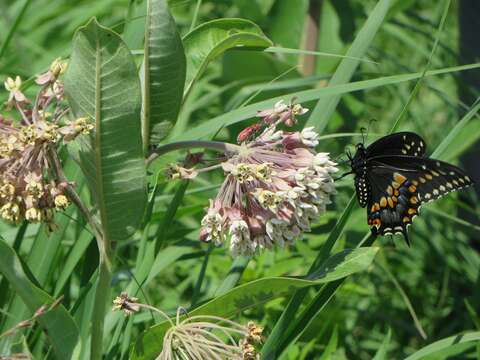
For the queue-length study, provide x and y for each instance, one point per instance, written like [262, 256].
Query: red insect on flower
[247, 133]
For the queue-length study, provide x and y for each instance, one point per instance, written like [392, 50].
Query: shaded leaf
[163, 70]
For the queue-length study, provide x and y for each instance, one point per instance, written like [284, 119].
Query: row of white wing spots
[453, 183]
[412, 147]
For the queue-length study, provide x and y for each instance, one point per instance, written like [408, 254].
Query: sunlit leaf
[102, 83]
[211, 39]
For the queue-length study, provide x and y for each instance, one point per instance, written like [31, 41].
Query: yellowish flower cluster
[28, 187]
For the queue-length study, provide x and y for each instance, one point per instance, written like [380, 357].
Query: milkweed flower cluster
[201, 336]
[275, 186]
[28, 188]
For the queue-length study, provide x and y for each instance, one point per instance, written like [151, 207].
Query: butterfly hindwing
[394, 202]
[401, 143]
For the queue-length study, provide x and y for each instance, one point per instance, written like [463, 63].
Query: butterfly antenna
[368, 127]
[343, 175]
[362, 130]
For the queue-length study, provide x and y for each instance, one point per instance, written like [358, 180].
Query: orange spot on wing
[399, 178]
[390, 202]
[383, 202]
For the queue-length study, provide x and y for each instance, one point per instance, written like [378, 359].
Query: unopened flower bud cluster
[28, 190]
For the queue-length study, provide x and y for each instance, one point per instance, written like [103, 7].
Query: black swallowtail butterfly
[393, 178]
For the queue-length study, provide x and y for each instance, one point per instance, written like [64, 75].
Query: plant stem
[101, 295]
[213, 145]
[105, 268]
[73, 196]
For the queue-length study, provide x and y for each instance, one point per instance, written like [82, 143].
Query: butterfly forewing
[401, 143]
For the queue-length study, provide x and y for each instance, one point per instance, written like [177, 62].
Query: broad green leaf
[326, 106]
[260, 291]
[102, 83]
[57, 323]
[211, 39]
[163, 74]
[249, 111]
[442, 345]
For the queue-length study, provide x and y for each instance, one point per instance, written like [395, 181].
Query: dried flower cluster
[210, 337]
[42, 310]
[275, 186]
[125, 303]
[28, 189]
[200, 337]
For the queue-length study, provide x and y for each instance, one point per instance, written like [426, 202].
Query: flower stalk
[212, 145]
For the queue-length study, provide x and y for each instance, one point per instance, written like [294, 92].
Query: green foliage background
[431, 288]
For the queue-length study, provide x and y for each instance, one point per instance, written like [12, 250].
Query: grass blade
[325, 107]
[211, 126]
[444, 344]
[58, 324]
[16, 23]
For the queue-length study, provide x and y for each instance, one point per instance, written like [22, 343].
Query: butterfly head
[358, 162]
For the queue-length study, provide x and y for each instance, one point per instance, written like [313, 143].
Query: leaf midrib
[146, 80]
[98, 138]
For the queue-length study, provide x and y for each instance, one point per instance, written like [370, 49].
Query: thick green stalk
[98, 317]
